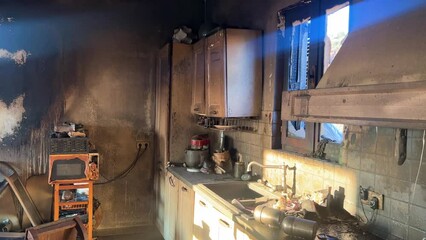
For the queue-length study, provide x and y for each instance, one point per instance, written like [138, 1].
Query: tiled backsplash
[366, 159]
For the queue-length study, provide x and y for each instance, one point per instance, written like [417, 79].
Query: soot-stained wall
[91, 63]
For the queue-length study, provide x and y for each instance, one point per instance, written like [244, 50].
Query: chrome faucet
[283, 166]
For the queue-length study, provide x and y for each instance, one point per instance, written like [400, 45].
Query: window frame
[316, 11]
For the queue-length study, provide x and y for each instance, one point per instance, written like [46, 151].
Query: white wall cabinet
[198, 84]
[234, 73]
[231, 74]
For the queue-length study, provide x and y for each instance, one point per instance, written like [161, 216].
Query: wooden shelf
[74, 205]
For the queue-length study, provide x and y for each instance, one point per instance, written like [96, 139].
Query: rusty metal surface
[21, 193]
[391, 105]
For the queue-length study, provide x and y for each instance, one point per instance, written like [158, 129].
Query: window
[337, 29]
[298, 75]
[313, 30]
[297, 58]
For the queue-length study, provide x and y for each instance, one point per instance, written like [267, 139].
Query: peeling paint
[11, 116]
[20, 56]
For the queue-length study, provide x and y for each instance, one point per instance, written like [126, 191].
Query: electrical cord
[124, 173]
[373, 215]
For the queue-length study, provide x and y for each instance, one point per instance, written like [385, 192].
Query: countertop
[191, 179]
[257, 230]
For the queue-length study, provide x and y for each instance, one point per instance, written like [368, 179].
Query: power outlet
[371, 196]
[142, 144]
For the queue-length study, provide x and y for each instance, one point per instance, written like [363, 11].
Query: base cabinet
[241, 234]
[204, 224]
[171, 206]
[179, 210]
[188, 215]
[185, 212]
[209, 223]
[225, 226]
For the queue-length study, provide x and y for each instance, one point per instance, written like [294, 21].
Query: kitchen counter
[191, 179]
[255, 229]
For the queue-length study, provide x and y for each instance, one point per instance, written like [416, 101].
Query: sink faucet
[282, 166]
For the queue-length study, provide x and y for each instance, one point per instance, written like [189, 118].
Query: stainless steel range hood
[379, 75]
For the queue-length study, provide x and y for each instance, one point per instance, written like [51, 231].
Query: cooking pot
[194, 158]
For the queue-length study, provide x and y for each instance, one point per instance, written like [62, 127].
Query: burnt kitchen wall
[365, 158]
[91, 62]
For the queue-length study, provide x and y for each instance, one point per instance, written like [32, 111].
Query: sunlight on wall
[20, 56]
[11, 116]
[313, 175]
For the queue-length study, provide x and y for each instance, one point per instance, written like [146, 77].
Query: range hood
[378, 77]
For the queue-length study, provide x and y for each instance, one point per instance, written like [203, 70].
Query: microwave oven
[71, 168]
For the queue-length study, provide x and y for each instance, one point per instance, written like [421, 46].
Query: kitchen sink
[233, 190]
[248, 194]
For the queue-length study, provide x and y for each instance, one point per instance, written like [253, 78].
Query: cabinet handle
[213, 112]
[224, 223]
[184, 189]
[203, 204]
[171, 181]
[196, 109]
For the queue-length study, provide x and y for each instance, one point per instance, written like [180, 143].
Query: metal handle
[213, 112]
[224, 223]
[171, 182]
[184, 189]
[196, 109]
[203, 204]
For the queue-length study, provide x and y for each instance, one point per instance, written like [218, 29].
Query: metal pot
[268, 216]
[194, 158]
[299, 227]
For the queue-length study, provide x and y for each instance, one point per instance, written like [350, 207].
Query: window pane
[299, 57]
[332, 131]
[298, 74]
[296, 129]
[337, 25]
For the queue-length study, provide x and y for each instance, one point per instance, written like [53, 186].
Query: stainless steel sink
[233, 190]
[248, 194]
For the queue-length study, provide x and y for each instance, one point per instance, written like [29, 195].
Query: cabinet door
[162, 130]
[185, 212]
[241, 234]
[215, 64]
[198, 86]
[205, 226]
[170, 212]
[225, 226]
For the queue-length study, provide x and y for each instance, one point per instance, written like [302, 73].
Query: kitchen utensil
[268, 216]
[240, 206]
[239, 167]
[194, 159]
[5, 225]
[299, 227]
[223, 159]
[222, 142]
